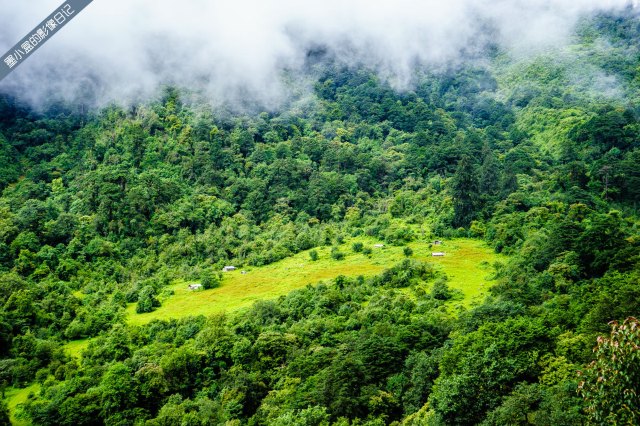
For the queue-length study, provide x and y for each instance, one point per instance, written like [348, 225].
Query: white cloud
[226, 48]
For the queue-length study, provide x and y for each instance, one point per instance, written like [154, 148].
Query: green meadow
[75, 347]
[15, 397]
[466, 263]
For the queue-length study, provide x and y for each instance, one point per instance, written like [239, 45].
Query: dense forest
[538, 157]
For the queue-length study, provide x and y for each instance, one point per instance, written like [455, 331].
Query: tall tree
[465, 192]
[489, 172]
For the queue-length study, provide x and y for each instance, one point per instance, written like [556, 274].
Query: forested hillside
[539, 157]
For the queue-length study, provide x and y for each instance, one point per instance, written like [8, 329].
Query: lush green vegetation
[529, 171]
[16, 398]
[466, 268]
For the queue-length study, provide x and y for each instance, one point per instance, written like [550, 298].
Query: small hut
[228, 268]
[194, 287]
[378, 245]
[437, 254]
[437, 243]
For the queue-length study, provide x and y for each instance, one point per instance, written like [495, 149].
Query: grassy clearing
[468, 267]
[75, 347]
[466, 264]
[15, 397]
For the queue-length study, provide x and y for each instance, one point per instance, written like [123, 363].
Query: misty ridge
[265, 53]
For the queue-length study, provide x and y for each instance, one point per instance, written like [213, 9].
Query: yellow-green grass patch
[74, 348]
[14, 397]
[464, 263]
[467, 263]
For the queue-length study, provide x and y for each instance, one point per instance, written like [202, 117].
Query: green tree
[337, 254]
[313, 255]
[483, 366]
[441, 290]
[117, 390]
[489, 173]
[342, 382]
[147, 300]
[4, 414]
[464, 188]
[209, 278]
[610, 385]
[312, 416]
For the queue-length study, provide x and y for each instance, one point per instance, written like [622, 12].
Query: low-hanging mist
[123, 50]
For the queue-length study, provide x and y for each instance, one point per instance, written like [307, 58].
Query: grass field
[466, 263]
[15, 397]
[75, 347]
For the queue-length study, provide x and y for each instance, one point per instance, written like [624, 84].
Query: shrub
[209, 279]
[357, 247]
[313, 254]
[337, 254]
[398, 235]
[147, 300]
[441, 290]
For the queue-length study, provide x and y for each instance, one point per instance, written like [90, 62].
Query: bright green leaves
[611, 383]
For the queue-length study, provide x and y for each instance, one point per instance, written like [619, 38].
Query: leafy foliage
[102, 210]
[611, 383]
